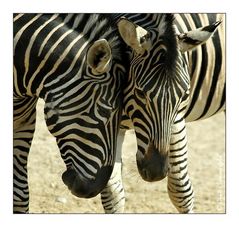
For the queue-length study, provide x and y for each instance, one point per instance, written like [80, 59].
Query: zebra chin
[86, 188]
[153, 165]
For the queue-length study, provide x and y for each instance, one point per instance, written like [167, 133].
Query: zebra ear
[133, 35]
[190, 40]
[99, 57]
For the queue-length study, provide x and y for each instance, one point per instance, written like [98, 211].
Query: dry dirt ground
[48, 194]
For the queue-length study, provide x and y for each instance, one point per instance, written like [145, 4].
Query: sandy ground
[48, 194]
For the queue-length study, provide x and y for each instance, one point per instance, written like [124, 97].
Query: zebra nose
[86, 188]
[153, 165]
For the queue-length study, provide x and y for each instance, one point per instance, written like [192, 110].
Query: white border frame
[232, 190]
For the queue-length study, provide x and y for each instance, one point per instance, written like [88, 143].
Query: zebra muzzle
[153, 165]
[83, 187]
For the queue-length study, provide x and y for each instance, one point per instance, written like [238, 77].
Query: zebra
[75, 63]
[176, 75]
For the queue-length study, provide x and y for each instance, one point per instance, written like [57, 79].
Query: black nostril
[154, 166]
[83, 187]
[68, 177]
[144, 172]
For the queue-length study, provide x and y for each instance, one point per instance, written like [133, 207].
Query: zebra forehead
[162, 26]
[164, 23]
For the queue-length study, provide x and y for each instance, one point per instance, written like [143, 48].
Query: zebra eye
[140, 93]
[104, 111]
[186, 94]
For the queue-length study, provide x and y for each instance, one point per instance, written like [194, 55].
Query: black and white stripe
[206, 67]
[82, 106]
[169, 84]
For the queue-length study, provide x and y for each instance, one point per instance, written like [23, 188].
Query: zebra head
[158, 86]
[83, 112]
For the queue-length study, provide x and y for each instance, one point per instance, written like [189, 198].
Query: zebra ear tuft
[99, 57]
[133, 35]
[192, 39]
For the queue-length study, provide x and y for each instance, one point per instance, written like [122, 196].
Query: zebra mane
[163, 29]
[114, 38]
[168, 34]
[103, 26]
[96, 26]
